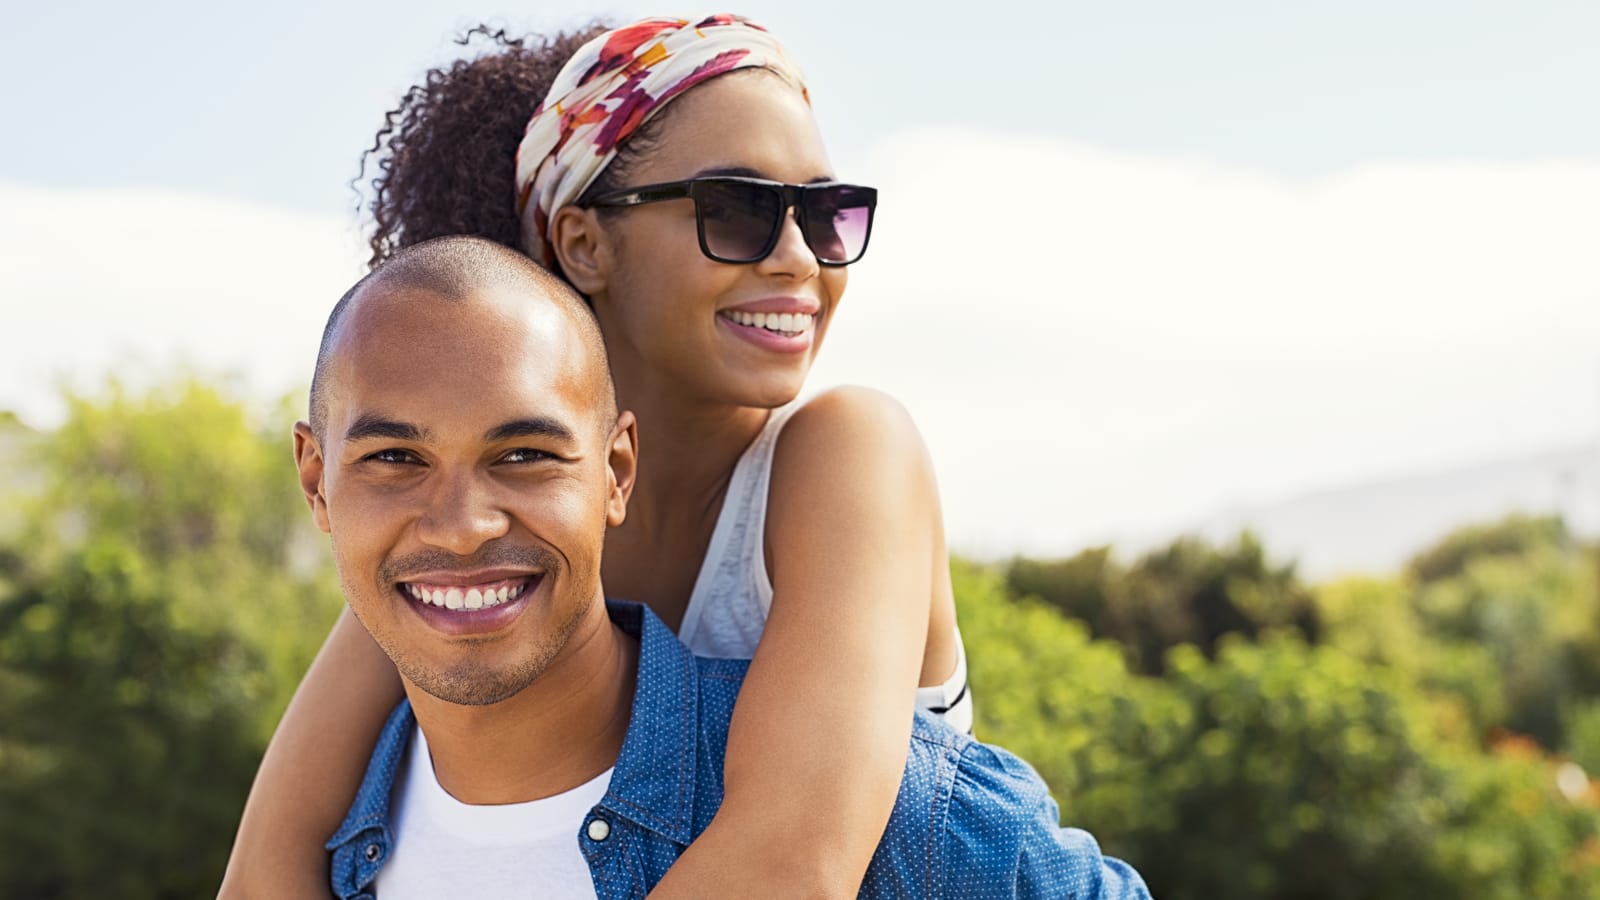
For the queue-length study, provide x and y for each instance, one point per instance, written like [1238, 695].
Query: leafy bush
[1308, 765]
[1515, 535]
[1229, 731]
[1375, 620]
[1581, 724]
[1186, 593]
[1535, 614]
[1069, 706]
[160, 596]
[127, 744]
[1281, 768]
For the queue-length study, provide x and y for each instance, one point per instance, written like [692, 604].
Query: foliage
[1185, 593]
[1225, 728]
[1351, 759]
[1308, 765]
[1512, 536]
[158, 602]
[126, 745]
[1581, 726]
[1069, 706]
[1522, 593]
[1376, 620]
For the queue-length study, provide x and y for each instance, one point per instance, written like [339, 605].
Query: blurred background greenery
[1226, 727]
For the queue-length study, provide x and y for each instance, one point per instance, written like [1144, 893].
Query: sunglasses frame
[792, 195]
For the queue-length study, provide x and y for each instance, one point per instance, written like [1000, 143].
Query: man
[466, 455]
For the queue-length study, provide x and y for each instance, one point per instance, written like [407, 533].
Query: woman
[674, 176]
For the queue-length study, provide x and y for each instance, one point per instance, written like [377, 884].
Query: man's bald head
[466, 461]
[452, 270]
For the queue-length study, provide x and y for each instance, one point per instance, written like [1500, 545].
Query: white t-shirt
[446, 848]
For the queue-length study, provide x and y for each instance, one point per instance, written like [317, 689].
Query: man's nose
[462, 515]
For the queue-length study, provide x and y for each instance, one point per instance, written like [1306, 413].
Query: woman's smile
[779, 324]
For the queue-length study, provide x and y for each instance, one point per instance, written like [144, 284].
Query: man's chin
[473, 682]
[476, 673]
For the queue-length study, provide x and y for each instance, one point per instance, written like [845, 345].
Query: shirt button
[372, 852]
[599, 830]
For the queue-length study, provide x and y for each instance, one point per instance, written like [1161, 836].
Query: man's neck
[554, 735]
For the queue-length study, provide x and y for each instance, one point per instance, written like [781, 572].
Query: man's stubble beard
[471, 683]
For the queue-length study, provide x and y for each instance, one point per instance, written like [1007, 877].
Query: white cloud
[1094, 344]
[140, 282]
[1099, 345]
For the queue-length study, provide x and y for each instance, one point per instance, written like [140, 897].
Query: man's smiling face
[467, 469]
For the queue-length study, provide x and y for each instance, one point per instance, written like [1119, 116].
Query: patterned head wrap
[609, 88]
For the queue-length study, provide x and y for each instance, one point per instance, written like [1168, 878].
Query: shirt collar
[653, 783]
[362, 842]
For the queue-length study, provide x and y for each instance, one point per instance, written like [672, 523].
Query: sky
[1133, 263]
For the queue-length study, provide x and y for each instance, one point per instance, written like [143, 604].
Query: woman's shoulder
[855, 435]
[851, 416]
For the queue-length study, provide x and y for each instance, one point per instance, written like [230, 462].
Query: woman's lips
[783, 332]
[807, 305]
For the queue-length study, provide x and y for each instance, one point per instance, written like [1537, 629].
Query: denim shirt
[970, 821]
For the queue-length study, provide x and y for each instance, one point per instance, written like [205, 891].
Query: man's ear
[622, 462]
[308, 459]
[581, 247]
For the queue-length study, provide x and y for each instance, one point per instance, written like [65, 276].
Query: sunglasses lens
[740, 220]
[737, 219]
[838, 219]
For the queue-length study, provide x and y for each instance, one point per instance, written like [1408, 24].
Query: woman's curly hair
[445, 157]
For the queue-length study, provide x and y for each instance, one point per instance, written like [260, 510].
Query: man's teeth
[783, 323]
[471, 598]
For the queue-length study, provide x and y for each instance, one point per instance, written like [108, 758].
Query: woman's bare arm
[819, 734]
[312, 768]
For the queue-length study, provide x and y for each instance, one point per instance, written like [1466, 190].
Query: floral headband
[608, 89]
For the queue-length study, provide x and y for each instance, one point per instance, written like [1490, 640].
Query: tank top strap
[733, 593]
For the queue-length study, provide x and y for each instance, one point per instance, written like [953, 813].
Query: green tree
[1314, 775]
[127, 745]
[1515, 535]
[1581, 725]
[1280, 768]
[159, 599]
[1068, 704]
[1527, 597]
[1376, 621]
[1188, 592]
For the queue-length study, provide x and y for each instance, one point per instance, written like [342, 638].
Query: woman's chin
[770, 390]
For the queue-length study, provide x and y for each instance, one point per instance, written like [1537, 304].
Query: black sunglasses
[741, 219]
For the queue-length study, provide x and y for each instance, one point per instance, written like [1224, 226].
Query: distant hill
[1375, 527]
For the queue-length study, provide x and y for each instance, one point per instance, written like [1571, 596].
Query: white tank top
[733, 594]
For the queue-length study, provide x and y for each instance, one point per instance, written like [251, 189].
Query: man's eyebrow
[372, 425]
[537, 426]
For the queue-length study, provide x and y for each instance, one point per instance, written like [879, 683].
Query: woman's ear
[581, 247]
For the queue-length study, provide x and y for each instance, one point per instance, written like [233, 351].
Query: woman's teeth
[469, 598]
[781, 323]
